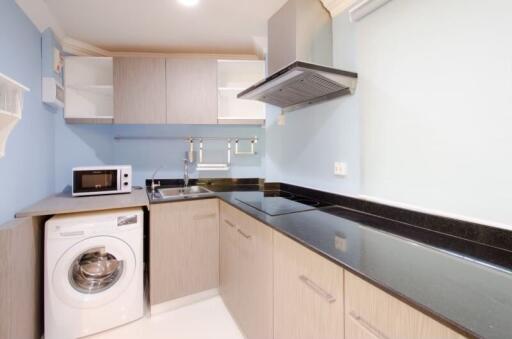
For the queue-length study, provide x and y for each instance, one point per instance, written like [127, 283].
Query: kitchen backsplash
[78, 145]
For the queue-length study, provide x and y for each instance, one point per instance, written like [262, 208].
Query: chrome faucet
[153, 184]
[186, 176]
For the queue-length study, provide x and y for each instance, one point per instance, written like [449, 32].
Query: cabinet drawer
[384, 316]
[308, 293]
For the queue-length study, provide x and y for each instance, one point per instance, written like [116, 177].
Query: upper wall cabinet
[234, 76]
[191, 91]
[185, 91]
[89, 90]
[139, 90]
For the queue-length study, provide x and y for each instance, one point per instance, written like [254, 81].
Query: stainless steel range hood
[301, 84]
[300, 59]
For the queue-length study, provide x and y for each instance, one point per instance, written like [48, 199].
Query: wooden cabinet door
[184, 249]
[308, 293]
[246, 272]
[354, 329]
[256, 279]
[139, 90]
[228, 270]
[191, 91]
[384, 316]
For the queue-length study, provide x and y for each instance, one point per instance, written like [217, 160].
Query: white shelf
[11, 106]
[232, 89]
[234, 76]
[9, 114]
[107, 90]
[89, 90]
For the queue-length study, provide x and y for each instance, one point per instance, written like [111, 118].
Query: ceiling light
[188, 3]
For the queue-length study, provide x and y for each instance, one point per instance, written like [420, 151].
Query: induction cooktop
[276, 203]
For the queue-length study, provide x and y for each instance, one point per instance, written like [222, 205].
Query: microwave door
[95, 181]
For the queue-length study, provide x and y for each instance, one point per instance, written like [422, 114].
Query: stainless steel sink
[182, 192]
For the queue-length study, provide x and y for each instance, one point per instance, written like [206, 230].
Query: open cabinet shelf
[107, 90]
[11, 106]
[89, 90]
[234, 76]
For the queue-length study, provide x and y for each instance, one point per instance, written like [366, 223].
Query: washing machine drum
[94, 272]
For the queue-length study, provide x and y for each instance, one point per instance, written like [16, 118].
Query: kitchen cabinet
[21, 278]
[139, 90]
[89, 90]
[184, 249]
[308, 293]
[191, 91]
[174, 91]
[246, 272]
[228, 257]
[373, 313]
[234, 76]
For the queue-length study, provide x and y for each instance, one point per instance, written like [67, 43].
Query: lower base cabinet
[372, 313]
[308, 293]
[184, 249]
[246, 272]
[273, 286]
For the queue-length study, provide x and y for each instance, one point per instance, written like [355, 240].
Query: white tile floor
[208, 319]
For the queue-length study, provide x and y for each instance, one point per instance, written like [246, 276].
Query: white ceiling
[214, 26]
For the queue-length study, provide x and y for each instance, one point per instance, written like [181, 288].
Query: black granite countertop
[465, 285]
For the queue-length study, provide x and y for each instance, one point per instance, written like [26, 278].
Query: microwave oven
[101, 180]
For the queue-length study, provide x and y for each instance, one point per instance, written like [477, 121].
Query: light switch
[340, 169]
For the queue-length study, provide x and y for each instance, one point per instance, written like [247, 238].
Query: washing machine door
[94, 272]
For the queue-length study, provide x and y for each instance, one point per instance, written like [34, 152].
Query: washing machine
[94, 272]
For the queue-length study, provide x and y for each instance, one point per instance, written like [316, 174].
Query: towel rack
[201, 166]
[191, 140]
[250, 152]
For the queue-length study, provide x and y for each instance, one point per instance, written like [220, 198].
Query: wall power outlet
[340, 169]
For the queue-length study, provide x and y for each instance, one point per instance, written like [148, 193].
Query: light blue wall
[79, 145]
[26, 171]
[304, 149]
[90, 145]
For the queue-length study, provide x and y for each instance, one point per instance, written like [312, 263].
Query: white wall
[431, 123]
[436, 103]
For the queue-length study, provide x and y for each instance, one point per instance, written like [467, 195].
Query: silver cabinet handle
[246, 236]
[327, 296]
[205, 216]
[363, 322]
[229, 223]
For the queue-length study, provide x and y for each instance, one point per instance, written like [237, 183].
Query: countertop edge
[63, 204]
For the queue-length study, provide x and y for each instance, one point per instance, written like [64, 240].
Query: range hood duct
[299, 60]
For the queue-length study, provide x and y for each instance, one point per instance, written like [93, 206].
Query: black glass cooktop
[276, 203]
